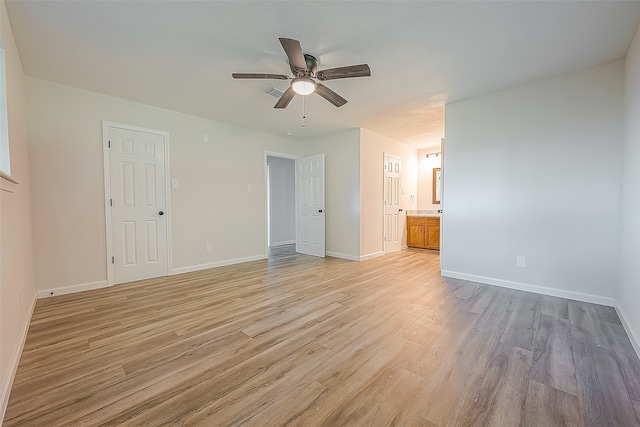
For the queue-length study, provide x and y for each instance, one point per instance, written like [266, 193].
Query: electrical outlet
[205, 138]
[521, 262]
[249, 188]
[209, 247]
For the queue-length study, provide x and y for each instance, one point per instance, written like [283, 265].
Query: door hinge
[113, 260]
[110, 202]
[109, 144]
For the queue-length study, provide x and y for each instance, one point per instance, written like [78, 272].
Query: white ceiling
[180, 54]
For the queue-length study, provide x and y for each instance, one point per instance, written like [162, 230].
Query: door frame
[442, 173]
[266, 191]
[384, 165]
[107, 192]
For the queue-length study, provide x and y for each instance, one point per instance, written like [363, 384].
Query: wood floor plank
[343, 363]
[440, 345]
[523, 323]
[503, 389]
[585, 324]
[444, 399]
[498, 313]
[250, 401]
[628, 362]
[555, 307]
[349, 401]
[479, 304]
[423, 328]
[396, 402]
[602, 394]
[552, 355]
[607, 314]
[306, 341]
[546, 406]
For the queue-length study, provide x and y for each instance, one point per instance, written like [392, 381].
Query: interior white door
[393, 218]
[310, 232]
[138, 204]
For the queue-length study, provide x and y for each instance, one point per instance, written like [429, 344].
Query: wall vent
[274, 91]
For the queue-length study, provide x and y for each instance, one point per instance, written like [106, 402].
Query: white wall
[372, 150]
[283, 200]
[342, 190]
[425, 177]
[535, 171]
[212, 204]
[17, 291]
[629, 294]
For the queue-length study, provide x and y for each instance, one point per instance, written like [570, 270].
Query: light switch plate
[175, 183]
[521, 262]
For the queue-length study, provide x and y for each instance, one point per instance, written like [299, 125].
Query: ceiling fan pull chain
[304, 114]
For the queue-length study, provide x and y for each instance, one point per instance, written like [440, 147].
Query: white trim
[287, 242]
[207, 266]
[635, 342]
[15, 360]
[343, 256]
[46, 293]
[8, 178]
[107, 192]
[577, 296]
[373, 255]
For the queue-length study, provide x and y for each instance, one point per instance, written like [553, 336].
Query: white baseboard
[577, 296]
[199, 267]
[371, 256]
[287, 242]
[72, 289]
[343, 256]
[15, 360]
[632, 336]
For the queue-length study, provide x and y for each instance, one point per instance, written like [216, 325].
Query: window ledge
[7, 183]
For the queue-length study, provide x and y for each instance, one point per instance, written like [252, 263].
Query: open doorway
[424, 225]
[281, 204]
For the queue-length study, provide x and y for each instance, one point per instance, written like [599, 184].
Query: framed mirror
[435, 192]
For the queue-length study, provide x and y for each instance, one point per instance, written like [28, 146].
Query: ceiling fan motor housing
[312, 67]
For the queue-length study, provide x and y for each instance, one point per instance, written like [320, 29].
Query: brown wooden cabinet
[423, 232]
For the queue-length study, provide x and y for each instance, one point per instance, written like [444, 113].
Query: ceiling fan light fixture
[303, 85]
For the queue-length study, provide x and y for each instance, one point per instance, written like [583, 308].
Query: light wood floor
[305, 341]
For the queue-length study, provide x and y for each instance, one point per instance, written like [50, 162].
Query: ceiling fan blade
[259, 76]
[285, 98]
[361, 70]
[294, 53]
[330, 95]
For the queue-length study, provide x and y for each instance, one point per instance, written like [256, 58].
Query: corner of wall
[15, 360]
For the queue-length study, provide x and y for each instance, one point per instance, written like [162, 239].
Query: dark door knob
[161, 213]
[320, 211]
[399, 210]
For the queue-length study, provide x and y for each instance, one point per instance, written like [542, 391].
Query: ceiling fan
[305, 69]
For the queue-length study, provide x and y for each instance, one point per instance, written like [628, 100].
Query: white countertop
[432, 213]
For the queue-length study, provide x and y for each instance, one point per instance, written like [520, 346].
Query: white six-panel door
[310, 233]
[137, 167]
[393, 218]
